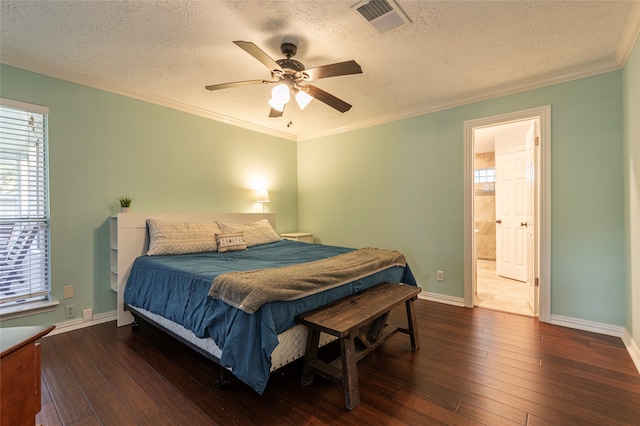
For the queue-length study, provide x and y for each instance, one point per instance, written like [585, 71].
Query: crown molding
[629, 36]
[496, 92]
[509, 89]
[95, 83]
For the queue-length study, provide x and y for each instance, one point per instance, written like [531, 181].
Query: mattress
[175, 287]
[291, 343]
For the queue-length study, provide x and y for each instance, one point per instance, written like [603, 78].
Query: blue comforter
[176, 287]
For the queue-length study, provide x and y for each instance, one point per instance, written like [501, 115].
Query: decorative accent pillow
[255, 233]
[167, 237]
[230, 242]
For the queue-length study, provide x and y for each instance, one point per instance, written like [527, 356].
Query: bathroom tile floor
[499, 293]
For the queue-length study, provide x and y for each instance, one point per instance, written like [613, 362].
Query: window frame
[33, 225]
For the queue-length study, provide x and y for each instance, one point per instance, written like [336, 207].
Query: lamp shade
[303, 99]
[279, 106]
[263, 196]
[279, 97]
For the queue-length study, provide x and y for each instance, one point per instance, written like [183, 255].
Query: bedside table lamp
[263, 197]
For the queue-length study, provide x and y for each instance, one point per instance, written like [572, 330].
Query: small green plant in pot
[125, 204]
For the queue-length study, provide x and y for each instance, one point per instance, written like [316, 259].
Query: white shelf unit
[113, 252]
[123, 229]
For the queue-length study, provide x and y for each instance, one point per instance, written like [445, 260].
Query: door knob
[523, 224]
[498, 221]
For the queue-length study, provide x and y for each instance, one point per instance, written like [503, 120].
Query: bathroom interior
[492, 291]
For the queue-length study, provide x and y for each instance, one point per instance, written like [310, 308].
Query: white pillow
[255, 233]
[167, 237]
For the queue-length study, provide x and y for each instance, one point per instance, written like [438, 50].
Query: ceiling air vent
[383, 15]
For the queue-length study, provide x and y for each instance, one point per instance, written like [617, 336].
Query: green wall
[400, 185]
[104, 145]
[397, 185]
[631, 86]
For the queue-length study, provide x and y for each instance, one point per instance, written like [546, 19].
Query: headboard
[130, 239]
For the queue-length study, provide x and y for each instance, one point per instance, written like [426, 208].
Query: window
[485, 181]
[485, 175]
[24, 205]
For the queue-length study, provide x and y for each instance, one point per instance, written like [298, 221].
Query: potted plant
[125, 204]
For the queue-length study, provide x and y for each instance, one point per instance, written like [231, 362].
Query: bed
[172, 291]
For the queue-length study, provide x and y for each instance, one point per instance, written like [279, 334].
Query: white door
[531, 206]
[511, 215]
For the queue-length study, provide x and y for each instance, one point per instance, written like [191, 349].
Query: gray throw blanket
[249, 290]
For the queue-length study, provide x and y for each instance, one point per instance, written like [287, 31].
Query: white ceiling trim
[510, 89]
[94, 83]
[544, 81]
[629, 36]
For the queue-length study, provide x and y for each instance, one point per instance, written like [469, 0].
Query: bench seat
[361, 317]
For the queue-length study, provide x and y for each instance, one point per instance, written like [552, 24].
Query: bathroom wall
[485, 210]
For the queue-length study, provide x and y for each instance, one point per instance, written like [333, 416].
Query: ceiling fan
[291, 75]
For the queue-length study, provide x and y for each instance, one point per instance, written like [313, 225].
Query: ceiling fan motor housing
[288, 49]
[291, 67]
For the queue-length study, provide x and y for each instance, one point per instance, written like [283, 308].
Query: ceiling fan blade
[274, 113]
[327, 98]
[334, 70]
[237, 84]
[257, 53]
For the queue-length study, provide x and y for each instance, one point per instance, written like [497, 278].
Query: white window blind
[24, 204]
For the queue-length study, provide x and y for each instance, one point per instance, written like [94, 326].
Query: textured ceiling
[452, 52]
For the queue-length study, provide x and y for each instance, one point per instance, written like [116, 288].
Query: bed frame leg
[223, 381]
[135, 323]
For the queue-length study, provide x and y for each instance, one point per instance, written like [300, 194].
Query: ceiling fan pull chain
[290, 123]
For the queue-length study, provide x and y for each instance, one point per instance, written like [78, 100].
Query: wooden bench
[362, 316]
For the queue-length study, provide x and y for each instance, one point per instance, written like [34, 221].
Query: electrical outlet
[69, 311]
[440, 275]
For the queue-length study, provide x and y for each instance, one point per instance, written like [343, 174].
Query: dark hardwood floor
[474, 367]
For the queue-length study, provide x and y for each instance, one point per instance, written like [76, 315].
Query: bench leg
[313, 340]
[349, 372]
[413, 325]
[376, 327]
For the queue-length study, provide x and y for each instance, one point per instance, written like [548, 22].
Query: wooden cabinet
[305, 237]
[20, 381]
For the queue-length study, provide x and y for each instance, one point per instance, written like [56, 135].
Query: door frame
[543, 229]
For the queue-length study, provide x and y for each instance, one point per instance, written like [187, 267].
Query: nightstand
[305, 237]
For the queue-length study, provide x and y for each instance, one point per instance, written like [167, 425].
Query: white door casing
[532, 206]
[542, 232]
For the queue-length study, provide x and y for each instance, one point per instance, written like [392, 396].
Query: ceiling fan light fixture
[278, 106]
[288, 73]
[303, 99]
[280, 95]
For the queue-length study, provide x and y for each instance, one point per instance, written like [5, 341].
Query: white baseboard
[633, 349]
[584, 325]
[76, 324]
[442, 298]
[606, 329]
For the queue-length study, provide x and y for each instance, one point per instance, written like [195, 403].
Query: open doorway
[515, 235]
[503, 221]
